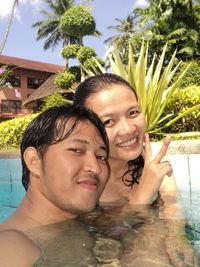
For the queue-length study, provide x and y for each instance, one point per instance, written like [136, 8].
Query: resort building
[26, 78]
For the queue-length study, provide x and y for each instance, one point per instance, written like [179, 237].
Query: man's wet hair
[49, 128]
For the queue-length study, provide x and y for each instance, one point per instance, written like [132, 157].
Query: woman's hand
[155, 169]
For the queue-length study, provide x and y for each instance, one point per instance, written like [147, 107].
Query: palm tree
[49, 28]
[129, 30]
[176, 23]
[5, 37]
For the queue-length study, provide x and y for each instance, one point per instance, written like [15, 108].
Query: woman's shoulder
[16, 249]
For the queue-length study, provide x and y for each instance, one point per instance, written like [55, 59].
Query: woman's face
[118, 109]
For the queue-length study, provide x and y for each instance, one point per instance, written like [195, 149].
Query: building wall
[20, 93]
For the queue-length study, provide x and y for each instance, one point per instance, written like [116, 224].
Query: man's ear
[32, 160]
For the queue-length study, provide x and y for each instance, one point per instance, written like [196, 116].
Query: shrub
[75, 70]
[181, 100]
[70, 51]
[192, 76]
[77, 22]
[65, 80]
[91, 64]
[54, 101]
[11, 131]
[85, 52]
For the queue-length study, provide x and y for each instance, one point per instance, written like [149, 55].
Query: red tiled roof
[30, 64]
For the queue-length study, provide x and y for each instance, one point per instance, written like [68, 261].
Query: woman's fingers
[148, 150]
[166, 168]
[163, 150]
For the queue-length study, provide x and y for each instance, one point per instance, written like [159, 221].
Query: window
[11, 106]
[14, 80]
[34, 83]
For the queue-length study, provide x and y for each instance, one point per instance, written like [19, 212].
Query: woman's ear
[32, 160]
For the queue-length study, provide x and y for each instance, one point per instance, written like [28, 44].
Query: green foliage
[49, 28]
[181, 100]
[70, 51]
[77, 22]
[54, 101]
[91, 64]
[85, 52]
[65, 80]
[11, 131]
[75, 70]
[192, 76]
[152, 85]
[175, 22]
[5, 71]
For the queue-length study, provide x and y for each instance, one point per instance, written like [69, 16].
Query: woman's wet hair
[49, 128]
[95, 84]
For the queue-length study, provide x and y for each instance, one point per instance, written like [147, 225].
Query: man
[64, 154]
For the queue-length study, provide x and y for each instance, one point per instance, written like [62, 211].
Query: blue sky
[22, 37]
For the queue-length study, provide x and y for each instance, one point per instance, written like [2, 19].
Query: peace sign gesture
[155, 169]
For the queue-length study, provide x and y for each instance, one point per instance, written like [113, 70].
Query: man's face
[74, 171]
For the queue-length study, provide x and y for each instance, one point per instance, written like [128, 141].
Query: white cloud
[141, 3]
[6, 7]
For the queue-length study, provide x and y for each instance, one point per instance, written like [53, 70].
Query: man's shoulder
[16, 249]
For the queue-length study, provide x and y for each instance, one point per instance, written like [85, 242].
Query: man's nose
[91, 165]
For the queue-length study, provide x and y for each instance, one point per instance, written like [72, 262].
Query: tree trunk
[8, 27]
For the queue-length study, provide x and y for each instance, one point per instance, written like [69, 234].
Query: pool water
[12, 192]
[11, 189]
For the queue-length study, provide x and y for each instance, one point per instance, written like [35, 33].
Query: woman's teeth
[131, 142]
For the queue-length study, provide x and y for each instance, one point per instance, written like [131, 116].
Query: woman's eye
[108, 122]
[133, 112]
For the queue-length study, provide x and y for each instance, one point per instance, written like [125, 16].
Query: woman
[116, 103]
[136, 177]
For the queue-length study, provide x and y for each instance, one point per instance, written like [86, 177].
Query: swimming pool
[12, 191]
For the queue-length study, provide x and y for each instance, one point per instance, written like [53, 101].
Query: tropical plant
[90, 64]
[5, 71]
[152, 85]
[49, 28]
[181, 100]
[15, 2]
[128, 30]
[54, 101]
[84, 53]
[65, 80]
[176, 22]
[78, 22]
[192, 76]
[70, 51]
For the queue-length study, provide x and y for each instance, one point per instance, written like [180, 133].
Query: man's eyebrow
[82, 141]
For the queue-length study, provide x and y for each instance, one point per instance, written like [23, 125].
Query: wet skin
[74, 172]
